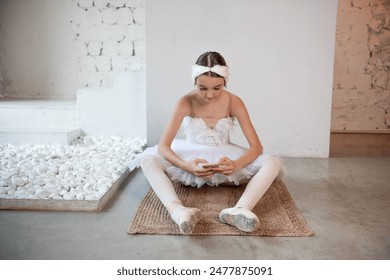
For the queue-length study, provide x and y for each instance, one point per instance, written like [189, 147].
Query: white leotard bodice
[197, 131]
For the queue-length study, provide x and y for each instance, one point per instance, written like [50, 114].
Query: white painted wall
[280, 54]
[120, 111]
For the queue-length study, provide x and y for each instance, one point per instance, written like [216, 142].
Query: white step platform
[21, 136]
[38, 121]
[117, 111]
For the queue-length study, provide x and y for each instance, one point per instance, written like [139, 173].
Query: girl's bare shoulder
[235, 100]
[191, 96]
[184, 104]
[237, 105]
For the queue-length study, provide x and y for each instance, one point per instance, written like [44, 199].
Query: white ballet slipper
[241, 218]
[186, 218]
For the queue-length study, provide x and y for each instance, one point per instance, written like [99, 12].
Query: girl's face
[209, 88]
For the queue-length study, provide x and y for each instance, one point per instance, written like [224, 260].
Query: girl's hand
[227, 166]
[194, 168]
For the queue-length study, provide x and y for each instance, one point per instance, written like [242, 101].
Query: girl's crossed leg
[186, 218]
[240, 216]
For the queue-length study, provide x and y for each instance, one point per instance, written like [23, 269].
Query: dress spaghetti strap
[192, 113]
[228, 114]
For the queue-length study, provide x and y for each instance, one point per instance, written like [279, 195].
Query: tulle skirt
[190, 151]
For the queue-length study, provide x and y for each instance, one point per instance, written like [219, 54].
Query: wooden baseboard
[359, 143]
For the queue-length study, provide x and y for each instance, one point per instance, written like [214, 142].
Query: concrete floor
[346, 201]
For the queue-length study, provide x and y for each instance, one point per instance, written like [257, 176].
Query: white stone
[69, 197]
[80, 174]
[64, 168]
[83, 167]
[53, 172]
[103, 187]
[41, 180]
[3, 183]
[63, 192]
[80, 196]
[42, 169]
[11, 188]
[9, 154]
[11, 173]
[106, 156]
[73, 192]
[30, 191]
[17, 181]
[50, 187]
[99, 194]
[42, 194]
[20, 193]
[24, 168]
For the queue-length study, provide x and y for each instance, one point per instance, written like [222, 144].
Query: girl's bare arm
[238, 109]
[182, 109]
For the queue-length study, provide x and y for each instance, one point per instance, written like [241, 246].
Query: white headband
[218, 69]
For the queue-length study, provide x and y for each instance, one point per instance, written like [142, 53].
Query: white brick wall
[85, 43]
[361, 88]
[109, 38]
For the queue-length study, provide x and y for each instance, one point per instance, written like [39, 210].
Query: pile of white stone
[84, 170]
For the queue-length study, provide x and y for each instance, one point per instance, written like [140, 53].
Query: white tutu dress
[206, 143]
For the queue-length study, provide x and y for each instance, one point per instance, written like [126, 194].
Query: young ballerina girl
[207, 114]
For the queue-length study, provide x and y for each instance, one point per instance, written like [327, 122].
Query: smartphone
[207, 165]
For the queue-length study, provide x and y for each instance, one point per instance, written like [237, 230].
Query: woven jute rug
[276, 210]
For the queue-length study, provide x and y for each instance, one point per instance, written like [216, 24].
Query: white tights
[164, 189]
[260, 183]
